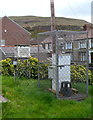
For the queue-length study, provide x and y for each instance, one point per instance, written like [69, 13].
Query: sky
[78, 9]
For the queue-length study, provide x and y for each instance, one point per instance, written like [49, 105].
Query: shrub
[7, 67]
[31, 67]
[78, 73]
[26, 68]
[43, 71]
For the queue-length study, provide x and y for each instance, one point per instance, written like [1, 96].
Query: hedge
[29, 68]
[26, 68]
[78, 74]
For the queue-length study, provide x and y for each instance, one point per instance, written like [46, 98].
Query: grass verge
[29, 101]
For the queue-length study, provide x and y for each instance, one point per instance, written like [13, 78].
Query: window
[69, 45]
[46, 46]
[50, 46]
[62, 45]
[82, 56]
[82, 44]
[89, 43]
[2, 43]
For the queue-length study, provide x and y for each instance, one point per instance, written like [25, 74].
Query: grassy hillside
[36, 24]
[45, 21]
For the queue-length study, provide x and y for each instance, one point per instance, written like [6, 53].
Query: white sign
[14, 62]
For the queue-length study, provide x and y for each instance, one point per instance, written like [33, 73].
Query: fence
[60, 60]
[69, 66]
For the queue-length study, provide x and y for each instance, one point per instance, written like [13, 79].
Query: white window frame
[82, 44]
[62, 45]
[50, 46]
[46, 46]
[2, 42]
[68, 43]
[83, 56]
[89, 43]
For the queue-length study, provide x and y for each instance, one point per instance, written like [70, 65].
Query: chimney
[52, 15]
[87, 27]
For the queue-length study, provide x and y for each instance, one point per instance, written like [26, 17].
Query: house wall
[2, 56]
[76, 51]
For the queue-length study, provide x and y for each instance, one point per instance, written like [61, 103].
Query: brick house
[15, 39]
[12, 34]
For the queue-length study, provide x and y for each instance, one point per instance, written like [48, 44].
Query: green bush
[26, 68]
[43, 71]
[78, 73]
[29, 68]
[6, 67]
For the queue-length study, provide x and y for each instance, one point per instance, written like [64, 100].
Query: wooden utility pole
[53, 26]
[54, 44]
[52, 15]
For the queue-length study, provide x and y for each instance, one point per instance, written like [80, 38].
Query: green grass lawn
[29, 101]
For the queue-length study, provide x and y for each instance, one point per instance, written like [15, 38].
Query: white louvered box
[63, 72]
[22, 51]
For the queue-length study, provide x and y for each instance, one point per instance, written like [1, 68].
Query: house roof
[12, 33]
[47, 40]
[70, 37]
[67, 38]
[38, 40]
